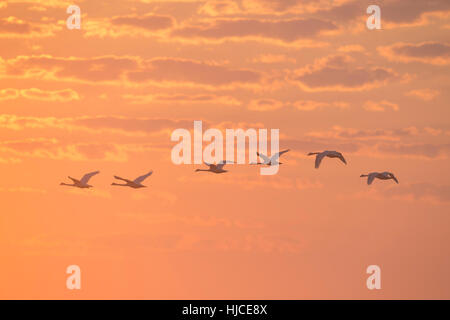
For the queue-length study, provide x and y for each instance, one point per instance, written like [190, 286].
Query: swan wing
[123, 179]
[74, 180]
[87, 176]
[276, 156]
[222, 163]
[393, 177]
[370, 178]
[340, 156]
[319, 158]
[281, 152]
[264, 157]
[143, 177]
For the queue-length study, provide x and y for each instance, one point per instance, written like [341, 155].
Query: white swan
[383, 176]
[272, 161]
[136, 183]
[215, 168]
[83, 183]
[329, 154]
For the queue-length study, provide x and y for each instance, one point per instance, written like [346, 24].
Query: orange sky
[107, 97]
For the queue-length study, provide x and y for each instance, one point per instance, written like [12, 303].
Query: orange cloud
[309, 105]
[181, 98]
[219, 8]
[424, 94]
[273, 58]
[38, 94]
[129, 70]
[265, 105]
[380, 106]
[435, 53]
[130, 25]
[8, 94]
[186, 71]
[336, 73]
[287, 32]
[12, 27]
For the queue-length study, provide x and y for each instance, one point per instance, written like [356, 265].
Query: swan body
[329, 154]
[215, 168]
[273, 160]
[83, 182]
[136, 183]
[379, 175]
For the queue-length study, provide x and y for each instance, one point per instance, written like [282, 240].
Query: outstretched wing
[281, 152]
[87, 176]
[277, 155]
[222, 163]
[340, 156]
[319, 158]
[393, 177]
[371, 177]
[265, 158]
[74, 180]
[123, 179]
[143, 177]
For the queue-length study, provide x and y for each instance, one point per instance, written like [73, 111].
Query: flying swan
[215, 168]
[83, 183]
[136, 183]
[382, 176]
[272, 161]
[329, 154]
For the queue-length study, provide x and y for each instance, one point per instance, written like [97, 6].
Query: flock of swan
[218, 168]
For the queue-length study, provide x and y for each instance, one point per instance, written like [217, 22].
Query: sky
[108, 96]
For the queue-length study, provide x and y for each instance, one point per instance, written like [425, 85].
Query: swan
[83, 183]
[215, 168]
[329, 154]
[272, 161]
[383, 176]
[136, 183]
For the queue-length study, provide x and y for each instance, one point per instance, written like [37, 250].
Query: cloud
[275, 31]
[219, 8]
[351, 48]
[336, 73]
[413, 12]
[129, 70]
[435, 53]
[338, 132]
[422, 150]
[289, 6]
[8, 94]
[394, 13]
[185, 71]
[130, 25]
[423, 94]
[127, 126]
[309, 105]
[98, 69]
[50, 148]
[13, 27]
[302, 105]
[38, 94]
[380, 106]
[265, 105]
[273, 58]
[47, 3]
[181, 99]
